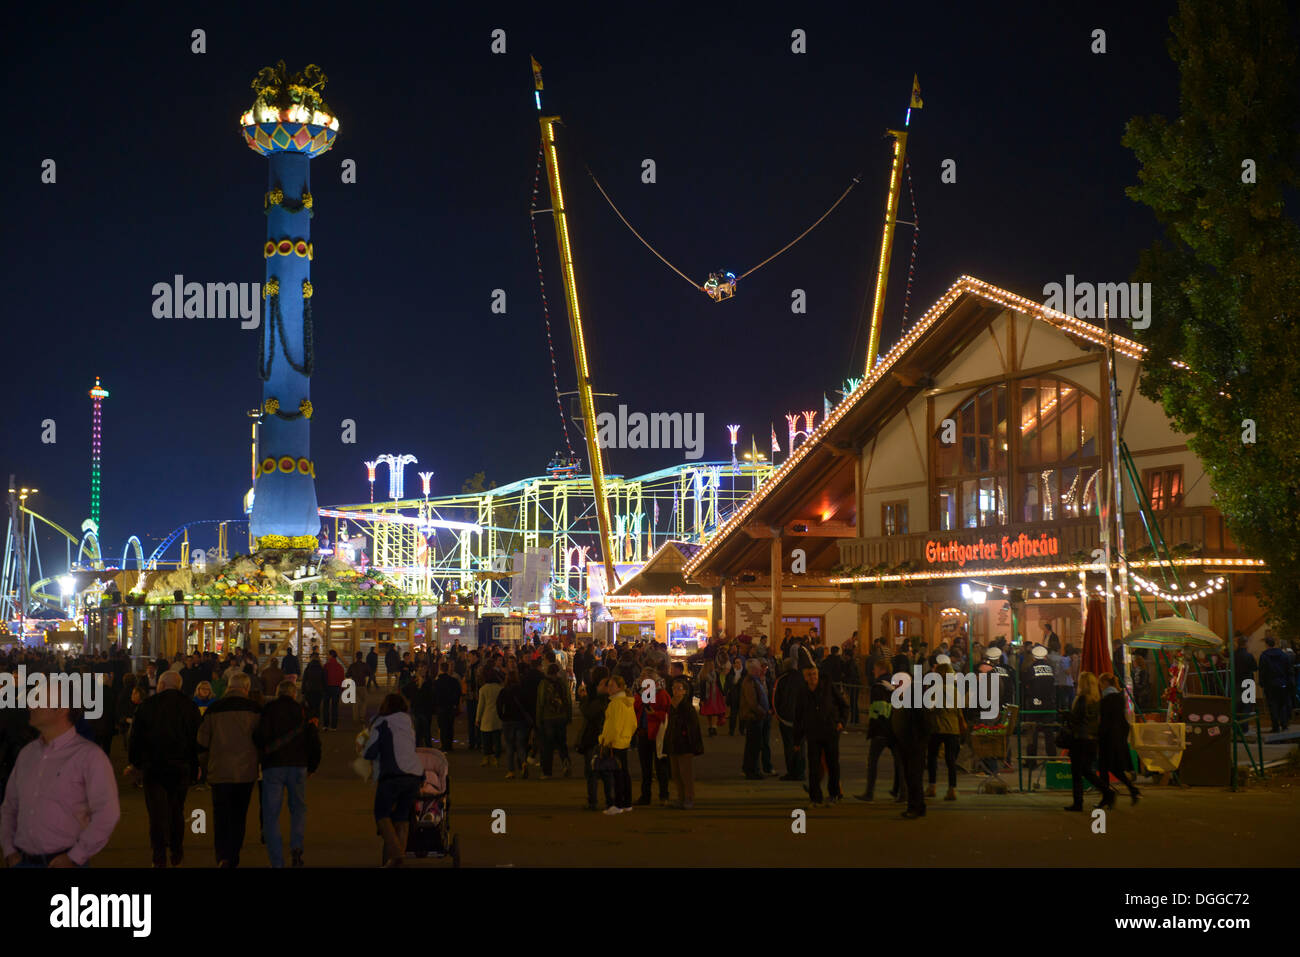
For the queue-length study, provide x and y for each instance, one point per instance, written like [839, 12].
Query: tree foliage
[1226, 276]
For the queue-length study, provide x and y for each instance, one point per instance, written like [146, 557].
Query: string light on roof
[964, 284]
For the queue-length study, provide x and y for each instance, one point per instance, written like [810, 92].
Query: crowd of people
[239, 727]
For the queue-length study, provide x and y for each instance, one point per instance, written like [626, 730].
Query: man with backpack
[164, 748]
[554, 711]
[880, 732]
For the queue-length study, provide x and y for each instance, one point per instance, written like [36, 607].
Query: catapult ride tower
[290, 125]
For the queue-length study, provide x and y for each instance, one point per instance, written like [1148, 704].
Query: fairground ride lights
[964, 283]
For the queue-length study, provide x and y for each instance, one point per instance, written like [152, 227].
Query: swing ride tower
[585, 397]
[891, 219]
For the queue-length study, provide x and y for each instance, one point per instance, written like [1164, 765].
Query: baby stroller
[430, 831]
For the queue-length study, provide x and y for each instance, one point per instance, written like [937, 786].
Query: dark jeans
[875, 747]
[276, 783]
[912, 753]
[605, 779]
[1279, 705]
[733, 715]
[164, 799]
[651, 766]
[851, 692]
[950, 743]
[446, 728]
[1031, 731]
[554, 739]
[423, 733]
[229, 815]
[620, 779]
[1082, 756]
[819, 748]
[492, 743]
[516, 735]
[765, 744]
[753, 730]
[471, 710]
[794, 760]
[330, 707]
[312, 699]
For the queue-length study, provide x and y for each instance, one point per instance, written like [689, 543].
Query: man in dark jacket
[290, 749]
[593, 699]
[1275, 679]
[819, 713]
[227, 734]
[372, 663]
[445, 700]
[290, 664]
[785, 694]
[164, 747]
[912, 732]
[392, 665]
[530, 678]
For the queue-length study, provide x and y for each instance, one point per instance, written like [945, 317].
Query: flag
[826, 407]
[656, 513]
[775, 446]
[537, 77]
[916, 88]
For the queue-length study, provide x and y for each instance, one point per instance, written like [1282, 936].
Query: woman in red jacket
[651, 702]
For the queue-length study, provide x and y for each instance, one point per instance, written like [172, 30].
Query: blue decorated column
[290, 124]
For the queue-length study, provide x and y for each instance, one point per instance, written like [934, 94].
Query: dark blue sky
[751, 143]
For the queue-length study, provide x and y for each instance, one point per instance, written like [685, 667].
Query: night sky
[752, 143]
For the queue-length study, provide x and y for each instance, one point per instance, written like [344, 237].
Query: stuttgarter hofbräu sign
[1005, 549]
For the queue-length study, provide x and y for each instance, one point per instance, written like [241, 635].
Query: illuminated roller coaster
[478, 533]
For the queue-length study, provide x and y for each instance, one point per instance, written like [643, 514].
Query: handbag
[659, 738]
[603, 760]
[1064, 739]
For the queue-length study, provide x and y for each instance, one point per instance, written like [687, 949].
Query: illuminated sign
[1005, 549]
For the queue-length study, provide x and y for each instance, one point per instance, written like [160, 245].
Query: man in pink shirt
[60, 805]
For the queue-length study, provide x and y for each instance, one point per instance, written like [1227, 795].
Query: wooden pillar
[775, 631]
[866, 631]
[356, 635]
[729, 609]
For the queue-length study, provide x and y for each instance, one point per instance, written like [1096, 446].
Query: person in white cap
[1039, 695]
[995, 661]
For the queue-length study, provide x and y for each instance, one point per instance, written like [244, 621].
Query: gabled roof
[823, 467]
[663, 571]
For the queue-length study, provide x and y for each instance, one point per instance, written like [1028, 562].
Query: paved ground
[748, 823]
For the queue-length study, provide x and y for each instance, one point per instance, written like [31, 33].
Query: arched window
[1059, 460]
[971, 471]
[1050, 474]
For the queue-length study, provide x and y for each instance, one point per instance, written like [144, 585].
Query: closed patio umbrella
[1096, 655]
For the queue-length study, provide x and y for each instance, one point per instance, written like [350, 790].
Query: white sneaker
[626, 810]
[611, 810]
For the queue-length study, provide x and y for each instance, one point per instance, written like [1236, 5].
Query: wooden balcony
[1203, 528]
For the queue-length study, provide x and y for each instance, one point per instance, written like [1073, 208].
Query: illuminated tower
[289, 124]
[97, 396]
